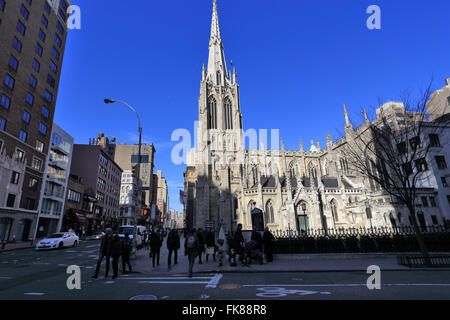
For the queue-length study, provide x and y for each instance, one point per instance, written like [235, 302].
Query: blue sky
[297, 61]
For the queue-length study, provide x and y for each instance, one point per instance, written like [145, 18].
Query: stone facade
[296, 190]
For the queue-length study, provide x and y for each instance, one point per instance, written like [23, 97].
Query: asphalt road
[28, 274]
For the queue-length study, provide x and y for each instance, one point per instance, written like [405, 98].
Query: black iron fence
[361, 240]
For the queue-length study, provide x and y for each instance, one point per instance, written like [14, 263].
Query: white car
[130, 230]
[58, 241]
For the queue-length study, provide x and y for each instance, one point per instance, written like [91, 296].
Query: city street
[28, 274]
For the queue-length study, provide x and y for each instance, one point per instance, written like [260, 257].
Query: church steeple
[217, 66]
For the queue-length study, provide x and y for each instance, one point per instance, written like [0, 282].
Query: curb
[319, 271]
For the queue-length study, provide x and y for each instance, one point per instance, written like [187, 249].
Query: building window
[48, 96]
[2, 124]
[39, 49]
[25, 13]
[440, 160]
[44, 21]
[53, 66]
[15, 176]
[45, 112]
[435, 220]
[11, 200]
[42, 35]
[421, 165]
[13, 63]
[55, 53]
[26, 116]
[33, 81]
[9, 81]
[433, 202]
[425, 202]
[42, 128]
[30, 99]
[60, 27]
[434, 140]
[30, 204]
[39, 146]
[444, 182]
[20, 155]
[414, 143]
[51, 81]
[36, 164]
[23, 136]
[36, 65]
[17, 44]
[58, 40]
[47, 7]
[21, 28]
[5, 102]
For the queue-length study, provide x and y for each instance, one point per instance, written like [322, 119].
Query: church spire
[217, 67]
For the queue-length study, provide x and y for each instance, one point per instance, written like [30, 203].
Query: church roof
[330, 182]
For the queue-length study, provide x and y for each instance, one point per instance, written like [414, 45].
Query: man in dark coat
[173, 244]
[155, 246]
[116, 248]
[105, 252]
[269, 243]
[201, 241]
[238, 243]
[191, 249]
[256, 236]
[127, 246]
[210, 241]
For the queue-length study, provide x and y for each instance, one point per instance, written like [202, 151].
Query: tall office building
[32, 37]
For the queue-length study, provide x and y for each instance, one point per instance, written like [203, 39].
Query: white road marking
[92, 246]
[174, 282]
[214, 281]
[348, 285]
[167, 278]
[34, 294]
[109, 282]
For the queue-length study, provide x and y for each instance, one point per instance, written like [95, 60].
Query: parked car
[58, 241]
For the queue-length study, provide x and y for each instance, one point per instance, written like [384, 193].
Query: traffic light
[145, 212]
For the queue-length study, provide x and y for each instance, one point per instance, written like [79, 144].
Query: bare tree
[392, 152]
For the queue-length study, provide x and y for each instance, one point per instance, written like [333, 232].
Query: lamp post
[109, 101]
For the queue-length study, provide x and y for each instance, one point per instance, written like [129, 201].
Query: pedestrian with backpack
[191, 249]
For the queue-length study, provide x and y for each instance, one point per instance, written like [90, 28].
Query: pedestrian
[127, 247]
[115, 253]
[221, 246]
[201, 243]
[191, 249]
[238, 243]
[210, 245]
[155, 246]
[173, 244]
[269, 243]
[256, 236]
[105, 252]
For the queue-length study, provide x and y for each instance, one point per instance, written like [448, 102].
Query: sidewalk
[10, 246]
[281, 263]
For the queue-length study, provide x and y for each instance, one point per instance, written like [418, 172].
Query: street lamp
[109, 101]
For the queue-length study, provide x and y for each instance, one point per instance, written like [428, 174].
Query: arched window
[228, 116]
[269, 215]
[212, 113]
[255, 175]
[334, 211]
[292, 171]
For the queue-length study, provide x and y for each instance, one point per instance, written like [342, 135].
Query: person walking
[191, 249]
[173, 244]
[201, 243]
[116, 253]
[211, 247]
[105, 252]
[256, 236]
[155, 247]
[269, 243]
[238, 243]
[221, 246]
[127, 247]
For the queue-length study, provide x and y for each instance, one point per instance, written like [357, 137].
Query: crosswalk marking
[210, 281]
